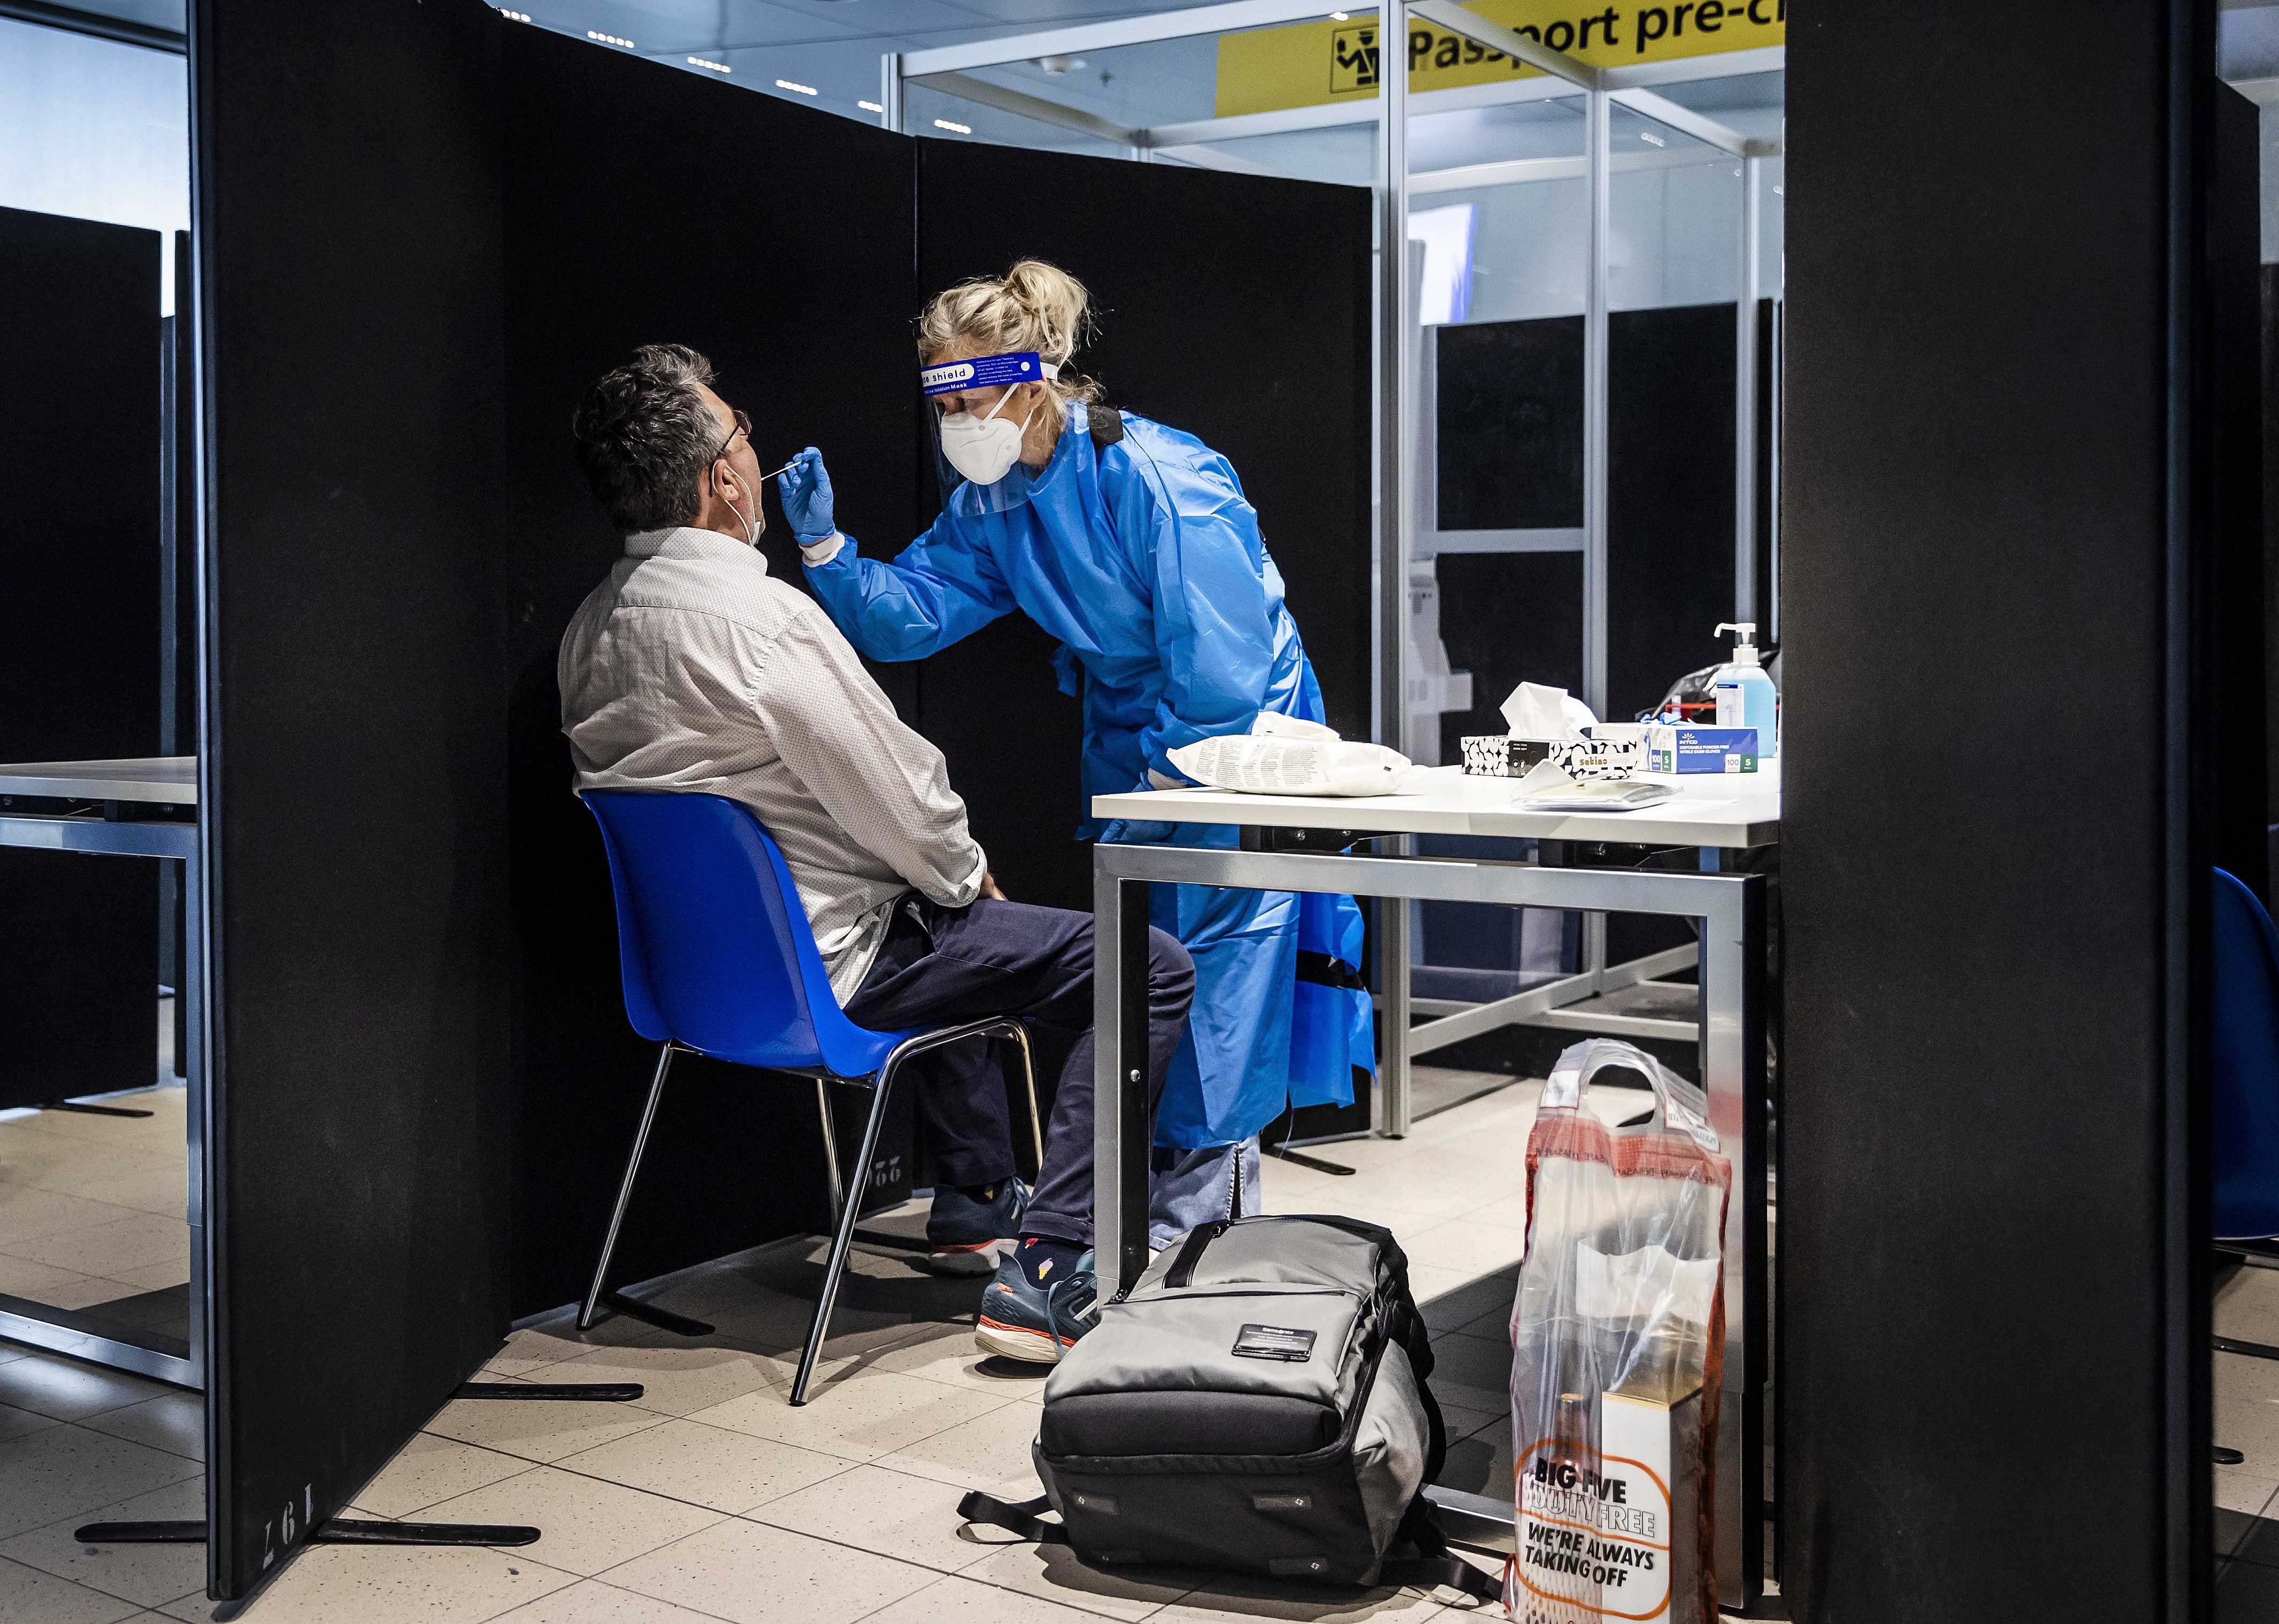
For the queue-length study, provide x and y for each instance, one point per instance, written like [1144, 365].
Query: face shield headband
[986, 372]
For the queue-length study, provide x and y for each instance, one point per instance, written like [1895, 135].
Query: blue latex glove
[805, 488]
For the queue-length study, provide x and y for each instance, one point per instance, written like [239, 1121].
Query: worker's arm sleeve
[940, 589]
[882, 783]
[1212, 630]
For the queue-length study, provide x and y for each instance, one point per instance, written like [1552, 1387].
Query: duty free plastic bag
[1617, 1328]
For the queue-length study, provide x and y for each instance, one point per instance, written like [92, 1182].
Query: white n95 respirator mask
[983, 449]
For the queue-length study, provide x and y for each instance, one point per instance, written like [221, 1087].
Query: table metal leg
[1733, 1070]
[1732, 908]
[1393, 966]
[87, 1334]
[1121, 1128]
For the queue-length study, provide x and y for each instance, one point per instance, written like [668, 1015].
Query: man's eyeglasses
[743, 426]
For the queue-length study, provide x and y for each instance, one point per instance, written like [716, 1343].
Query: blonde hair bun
[1033, 306]
[1058, 301]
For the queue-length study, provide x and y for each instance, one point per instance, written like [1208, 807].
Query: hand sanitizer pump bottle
[1745, 694]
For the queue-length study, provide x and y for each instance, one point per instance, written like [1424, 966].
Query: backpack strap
[1416, 1340]
[1182, 1272]
[1016, 1516]
[1434, 1563]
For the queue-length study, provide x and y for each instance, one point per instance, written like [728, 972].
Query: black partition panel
[423, 1081]
[349, 332]
[1234, 307]
[635, 214]
[1507, 414]
[1989, 1221]
[79, 668]
[1669, 498]
[1507, 425]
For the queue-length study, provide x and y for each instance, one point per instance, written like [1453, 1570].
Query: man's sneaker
[963, 1234]
[1033, 1322]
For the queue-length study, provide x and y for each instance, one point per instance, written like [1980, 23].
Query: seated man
[691, 669]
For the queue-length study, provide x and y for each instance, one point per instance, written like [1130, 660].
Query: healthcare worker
[1132, 544]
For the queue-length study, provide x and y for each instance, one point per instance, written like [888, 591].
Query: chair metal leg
[1020, 1030]
[835, 1266]
[830, 1150]
[598, 1293]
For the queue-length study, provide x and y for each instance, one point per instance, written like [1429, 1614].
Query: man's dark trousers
[938, 966]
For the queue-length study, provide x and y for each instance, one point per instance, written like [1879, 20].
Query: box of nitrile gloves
[1701, 750]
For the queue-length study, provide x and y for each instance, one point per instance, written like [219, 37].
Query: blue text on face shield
[982, 372]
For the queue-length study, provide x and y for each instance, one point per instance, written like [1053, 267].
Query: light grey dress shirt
[692, 669]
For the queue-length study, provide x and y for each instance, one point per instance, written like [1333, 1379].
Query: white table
[145, 806]
[1296, 843]
[148, 780]
[1709, 809]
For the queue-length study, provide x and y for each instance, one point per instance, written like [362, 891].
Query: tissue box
[1491, 755]
[1702, 749]
[1600, 758]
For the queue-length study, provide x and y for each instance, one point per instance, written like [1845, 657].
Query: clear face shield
[978, 447]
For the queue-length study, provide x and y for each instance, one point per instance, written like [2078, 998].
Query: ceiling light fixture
[869, 107]
[1337, 17]
[1651, 139]
[786, 84]
[952, 125]
[716, 67]
[609, 39]
[514, 16]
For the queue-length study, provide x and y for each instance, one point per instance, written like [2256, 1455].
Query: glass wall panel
[1499, 234]
[97, 130]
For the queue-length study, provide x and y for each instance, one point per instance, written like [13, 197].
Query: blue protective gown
[1145, 560]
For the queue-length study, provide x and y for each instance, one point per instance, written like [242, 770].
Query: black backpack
[1255, 1403]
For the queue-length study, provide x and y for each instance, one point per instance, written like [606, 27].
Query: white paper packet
[1283, 755]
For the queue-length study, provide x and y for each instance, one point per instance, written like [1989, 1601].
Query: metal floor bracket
[572, 1392]
[339, 1531]
[663, 1319]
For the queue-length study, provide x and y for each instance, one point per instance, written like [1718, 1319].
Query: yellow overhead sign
[1309, 63]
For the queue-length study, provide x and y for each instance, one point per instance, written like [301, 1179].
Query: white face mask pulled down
[753, 526]
[985, 449]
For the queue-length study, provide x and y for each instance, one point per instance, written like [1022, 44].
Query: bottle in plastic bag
[1617, 1325]
[1556, 1494]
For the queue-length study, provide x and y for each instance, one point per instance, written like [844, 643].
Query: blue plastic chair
[2245, 1056]
[718, 961]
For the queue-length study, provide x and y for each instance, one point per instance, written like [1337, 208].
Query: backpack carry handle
[1021, 1517]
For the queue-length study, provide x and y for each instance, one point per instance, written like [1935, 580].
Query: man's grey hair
[645, 438]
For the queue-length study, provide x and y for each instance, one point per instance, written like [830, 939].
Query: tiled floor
[713, 1500]
[2247, 1420]
[2247, 1579]
[91, 1207]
